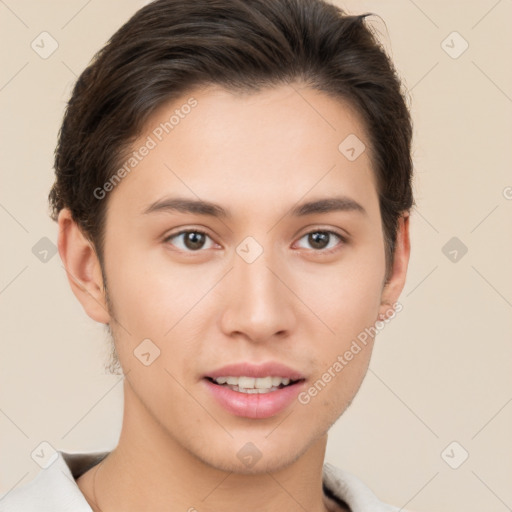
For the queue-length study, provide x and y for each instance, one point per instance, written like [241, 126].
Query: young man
[233, 187]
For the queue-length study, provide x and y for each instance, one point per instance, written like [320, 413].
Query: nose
[259, 306]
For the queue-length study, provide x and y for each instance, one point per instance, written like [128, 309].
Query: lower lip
[255, 405]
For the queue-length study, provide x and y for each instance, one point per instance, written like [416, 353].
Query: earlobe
[393, 288]
[82, 268]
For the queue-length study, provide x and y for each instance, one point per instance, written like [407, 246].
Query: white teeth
[276, 381]
[252, 384]
[262, 383]
[246, 382]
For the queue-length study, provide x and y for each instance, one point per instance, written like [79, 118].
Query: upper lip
[245, 369]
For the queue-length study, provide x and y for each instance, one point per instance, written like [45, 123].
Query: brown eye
[319, 239]
[194, 240]
[191, 240]
[322, 240]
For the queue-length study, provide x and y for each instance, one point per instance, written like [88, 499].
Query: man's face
[263, 285]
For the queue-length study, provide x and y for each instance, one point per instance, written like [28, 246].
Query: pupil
[319, 239]
[194, 240]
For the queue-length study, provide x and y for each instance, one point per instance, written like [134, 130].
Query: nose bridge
[259, 305]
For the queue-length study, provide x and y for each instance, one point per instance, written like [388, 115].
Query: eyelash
[319, 251]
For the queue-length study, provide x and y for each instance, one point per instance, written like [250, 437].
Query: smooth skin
[257, 155]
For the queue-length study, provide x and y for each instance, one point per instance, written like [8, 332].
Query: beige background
[440, 371]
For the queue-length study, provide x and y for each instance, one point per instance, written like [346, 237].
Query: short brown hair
[170, 46]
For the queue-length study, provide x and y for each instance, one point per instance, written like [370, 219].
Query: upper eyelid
[188, 230]
[343, 239]
[342, 235]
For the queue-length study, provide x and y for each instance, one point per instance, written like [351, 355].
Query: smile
[252, 385]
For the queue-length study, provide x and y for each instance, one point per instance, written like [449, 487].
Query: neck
[152, 471]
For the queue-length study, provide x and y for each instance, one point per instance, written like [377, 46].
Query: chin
[251, 455]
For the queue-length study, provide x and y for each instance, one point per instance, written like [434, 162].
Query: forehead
[249, 148]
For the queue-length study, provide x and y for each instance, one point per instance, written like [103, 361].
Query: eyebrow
[201, 207]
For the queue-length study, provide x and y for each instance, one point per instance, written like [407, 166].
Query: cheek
[345, 297]
[347, 302]
[152, 295]
[168, 304]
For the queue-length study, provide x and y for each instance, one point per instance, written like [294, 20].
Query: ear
[395, 284]
[82, 268]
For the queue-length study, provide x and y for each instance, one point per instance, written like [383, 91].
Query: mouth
[254, 385]
[254, 397]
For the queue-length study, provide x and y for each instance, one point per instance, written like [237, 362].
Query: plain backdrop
[430, 427]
